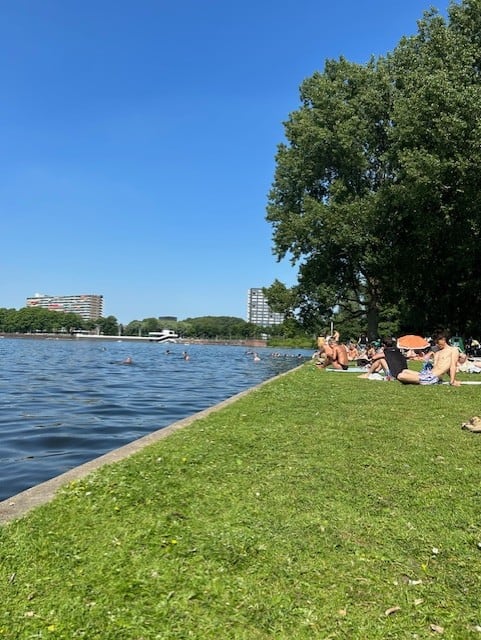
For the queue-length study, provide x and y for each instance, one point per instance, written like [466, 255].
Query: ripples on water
[66, 402]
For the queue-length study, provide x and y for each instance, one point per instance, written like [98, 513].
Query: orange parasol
[412, 342]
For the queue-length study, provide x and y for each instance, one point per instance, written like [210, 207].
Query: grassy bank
[319, 506]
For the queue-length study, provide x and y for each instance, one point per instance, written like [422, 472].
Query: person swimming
[127, 360]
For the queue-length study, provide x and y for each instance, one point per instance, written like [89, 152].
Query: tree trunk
[372, 323]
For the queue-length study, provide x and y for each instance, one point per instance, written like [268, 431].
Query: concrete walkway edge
[18, 505]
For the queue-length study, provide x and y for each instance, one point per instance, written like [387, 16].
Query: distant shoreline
[188, 341]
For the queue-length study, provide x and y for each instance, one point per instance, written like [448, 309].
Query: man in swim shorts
[445, 361]
[426, 376]
[340, 359]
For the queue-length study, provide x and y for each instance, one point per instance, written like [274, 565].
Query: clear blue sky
[138, 141]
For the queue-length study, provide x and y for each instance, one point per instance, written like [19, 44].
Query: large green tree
[435, 151]
[325, 203]
[108, 326]
[377, 189]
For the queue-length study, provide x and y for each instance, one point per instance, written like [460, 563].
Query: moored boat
[166, 335]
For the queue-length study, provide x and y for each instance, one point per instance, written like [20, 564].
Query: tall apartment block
[87, 306]
[258, 311]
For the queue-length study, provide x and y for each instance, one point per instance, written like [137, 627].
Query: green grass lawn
[318, 506]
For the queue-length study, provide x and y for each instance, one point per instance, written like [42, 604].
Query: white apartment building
[258, 311]
[87, 306]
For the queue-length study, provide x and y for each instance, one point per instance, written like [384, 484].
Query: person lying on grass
[445, 361]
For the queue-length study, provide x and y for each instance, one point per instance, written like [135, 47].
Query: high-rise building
[259, 312]
[87, 306]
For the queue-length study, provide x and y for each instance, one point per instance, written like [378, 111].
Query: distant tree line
[212, 327]
[30, 320]
[38, 320]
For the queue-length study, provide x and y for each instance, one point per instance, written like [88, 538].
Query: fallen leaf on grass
[392, 610]
[436, 628]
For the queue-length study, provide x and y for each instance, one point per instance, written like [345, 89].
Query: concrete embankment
[20, 504]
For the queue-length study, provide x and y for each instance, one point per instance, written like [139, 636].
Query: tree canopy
[376, 189]
[35, 319]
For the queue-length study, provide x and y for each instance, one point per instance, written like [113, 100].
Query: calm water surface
[66, 402]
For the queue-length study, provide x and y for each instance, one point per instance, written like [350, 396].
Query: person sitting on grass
[378, 362]
[445, 361]
[352, 352]
[467, 365]
[340, 358]
[325, 353]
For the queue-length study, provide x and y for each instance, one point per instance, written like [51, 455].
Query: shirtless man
[326, 352]
[340, 359]
[445, 361]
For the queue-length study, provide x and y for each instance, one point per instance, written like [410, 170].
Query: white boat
[166, 335]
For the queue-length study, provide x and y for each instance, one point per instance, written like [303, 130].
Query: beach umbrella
[412, 342]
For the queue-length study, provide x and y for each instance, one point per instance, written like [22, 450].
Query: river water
[64, 402]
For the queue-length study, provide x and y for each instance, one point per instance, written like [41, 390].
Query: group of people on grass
[386, 360]
[332, 352]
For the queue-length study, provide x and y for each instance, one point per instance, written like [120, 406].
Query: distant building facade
[87, 306]
[259, 312]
